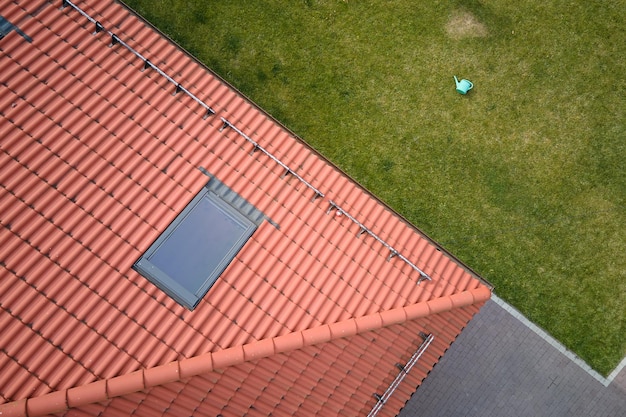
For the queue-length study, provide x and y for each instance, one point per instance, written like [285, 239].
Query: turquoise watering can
[463, 86]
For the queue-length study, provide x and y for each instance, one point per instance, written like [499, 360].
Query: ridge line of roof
[103, 390]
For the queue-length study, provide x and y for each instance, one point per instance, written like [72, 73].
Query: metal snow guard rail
[423, 275]
[318, 193]
[404, 370]
[146, 62]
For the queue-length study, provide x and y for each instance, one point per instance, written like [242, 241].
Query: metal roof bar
[288, 170]
[393, 252]
[147, 64]
[382, 399]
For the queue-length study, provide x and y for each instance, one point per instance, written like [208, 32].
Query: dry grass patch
[463, 24]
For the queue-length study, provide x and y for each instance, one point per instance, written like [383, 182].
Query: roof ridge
[103, 390]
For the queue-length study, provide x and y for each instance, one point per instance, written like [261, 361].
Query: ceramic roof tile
[100, 156]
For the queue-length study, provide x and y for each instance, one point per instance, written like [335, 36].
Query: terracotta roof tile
[86, 394]
[49, 404]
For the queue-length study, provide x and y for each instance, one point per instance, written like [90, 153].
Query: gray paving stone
[503, 366]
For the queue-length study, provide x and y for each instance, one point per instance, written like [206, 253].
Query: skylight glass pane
[199, 245]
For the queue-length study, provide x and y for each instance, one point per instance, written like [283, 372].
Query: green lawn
[524, 178]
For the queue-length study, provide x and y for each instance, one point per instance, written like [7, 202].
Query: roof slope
[101, 150]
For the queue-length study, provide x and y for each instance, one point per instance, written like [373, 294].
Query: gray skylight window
[187, 259]
[6, 27]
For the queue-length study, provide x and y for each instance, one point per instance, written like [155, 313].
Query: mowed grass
[524, 178]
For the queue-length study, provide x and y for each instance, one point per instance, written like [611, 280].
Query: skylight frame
[169, 284]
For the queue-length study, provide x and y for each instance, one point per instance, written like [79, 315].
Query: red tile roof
[101, 152]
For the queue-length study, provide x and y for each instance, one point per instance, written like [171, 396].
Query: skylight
[194, 250]
[6, 27]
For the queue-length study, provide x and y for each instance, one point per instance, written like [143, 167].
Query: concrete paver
[501, 365]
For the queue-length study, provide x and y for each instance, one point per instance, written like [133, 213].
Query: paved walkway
[504, 366]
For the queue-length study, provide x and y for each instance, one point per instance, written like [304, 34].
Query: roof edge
[104, 390]
[433, 242]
